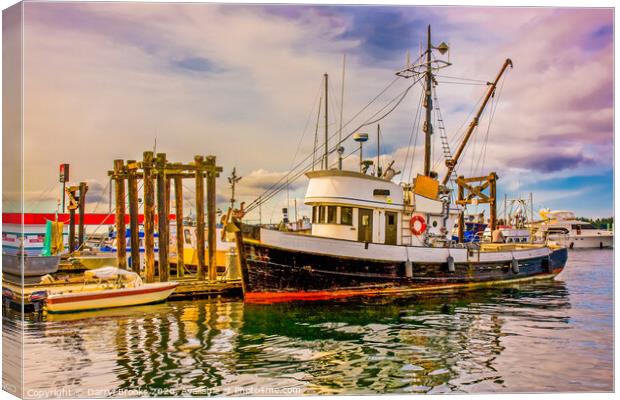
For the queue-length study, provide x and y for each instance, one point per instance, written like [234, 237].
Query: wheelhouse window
[321, 214]
[332, 214]
[315, 214]
[346, 215]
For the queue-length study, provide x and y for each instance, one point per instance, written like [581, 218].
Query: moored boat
[373, 236]
[113, 288]
[29, 265]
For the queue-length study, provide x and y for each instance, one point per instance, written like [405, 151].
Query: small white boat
[115, 288]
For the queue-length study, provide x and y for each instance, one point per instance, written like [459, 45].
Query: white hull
[383, 252]
[109, 298]
[583, 241]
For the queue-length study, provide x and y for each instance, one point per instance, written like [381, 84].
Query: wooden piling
[461, 221]
[200, 217]
[162, 219]
[121, 246]
[241, 256]
[149, 216]
[82, 205]
[71, 230]
[132, 187]
[178, 201]
[211, 222]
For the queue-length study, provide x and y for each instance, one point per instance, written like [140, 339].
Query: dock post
[493, 201]
[178, 202]
[149, 216]
[162, 220]
[132, 187]
[82, 205]
[121, 245]
[241, 260]
[200, 217]
[461, 223]
[71, 192]
[211, 217]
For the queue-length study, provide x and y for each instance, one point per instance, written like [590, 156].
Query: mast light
[361, 137]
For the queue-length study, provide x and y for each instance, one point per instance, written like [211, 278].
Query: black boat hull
[275, 274]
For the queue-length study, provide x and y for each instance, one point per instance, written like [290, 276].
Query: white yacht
[566, 230]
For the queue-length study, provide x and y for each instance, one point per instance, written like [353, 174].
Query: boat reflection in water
[503, 339]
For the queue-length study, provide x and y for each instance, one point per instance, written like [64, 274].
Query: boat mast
[428, 103]
[451, 163]
[326, 130]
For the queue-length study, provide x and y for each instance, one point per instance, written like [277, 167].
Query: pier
[155, 174]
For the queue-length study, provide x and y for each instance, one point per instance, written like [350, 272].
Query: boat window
[321, 214]
[391, 219]
[188, 239]
[332, 214]
[346, 215]
[365, 220]
[583, 226]
[314, 214]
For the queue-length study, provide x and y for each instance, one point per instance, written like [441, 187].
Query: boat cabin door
[390, 227]
[364, 225]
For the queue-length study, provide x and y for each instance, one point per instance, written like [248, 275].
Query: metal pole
[326, 122]
[63, 196]
[428, 128]
[378, 149]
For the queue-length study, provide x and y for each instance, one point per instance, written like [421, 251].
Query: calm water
[539, 337]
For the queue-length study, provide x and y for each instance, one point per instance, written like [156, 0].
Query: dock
[156, 175]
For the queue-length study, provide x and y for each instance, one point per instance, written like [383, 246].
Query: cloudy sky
[103, 80]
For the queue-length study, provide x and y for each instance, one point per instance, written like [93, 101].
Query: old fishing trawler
[372, 236]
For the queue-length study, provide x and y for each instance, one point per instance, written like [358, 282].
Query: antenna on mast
[425, 68]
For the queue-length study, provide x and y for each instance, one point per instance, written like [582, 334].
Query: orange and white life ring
[417, 224]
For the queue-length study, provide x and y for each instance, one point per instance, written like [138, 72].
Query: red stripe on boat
[89, 219]
[97, 296]
[277, 297]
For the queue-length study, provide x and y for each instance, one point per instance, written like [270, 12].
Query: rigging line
[416, 129]
[93, 233]
[278, 186]
[415, 117]
[462, 83]
[491, 116]
[44, 194]
[458, 137]
[463, 79]
[403, 95]
[345, 125]
[274, 192]
[318, 95]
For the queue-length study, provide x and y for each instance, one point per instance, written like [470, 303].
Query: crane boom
[451, 163]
